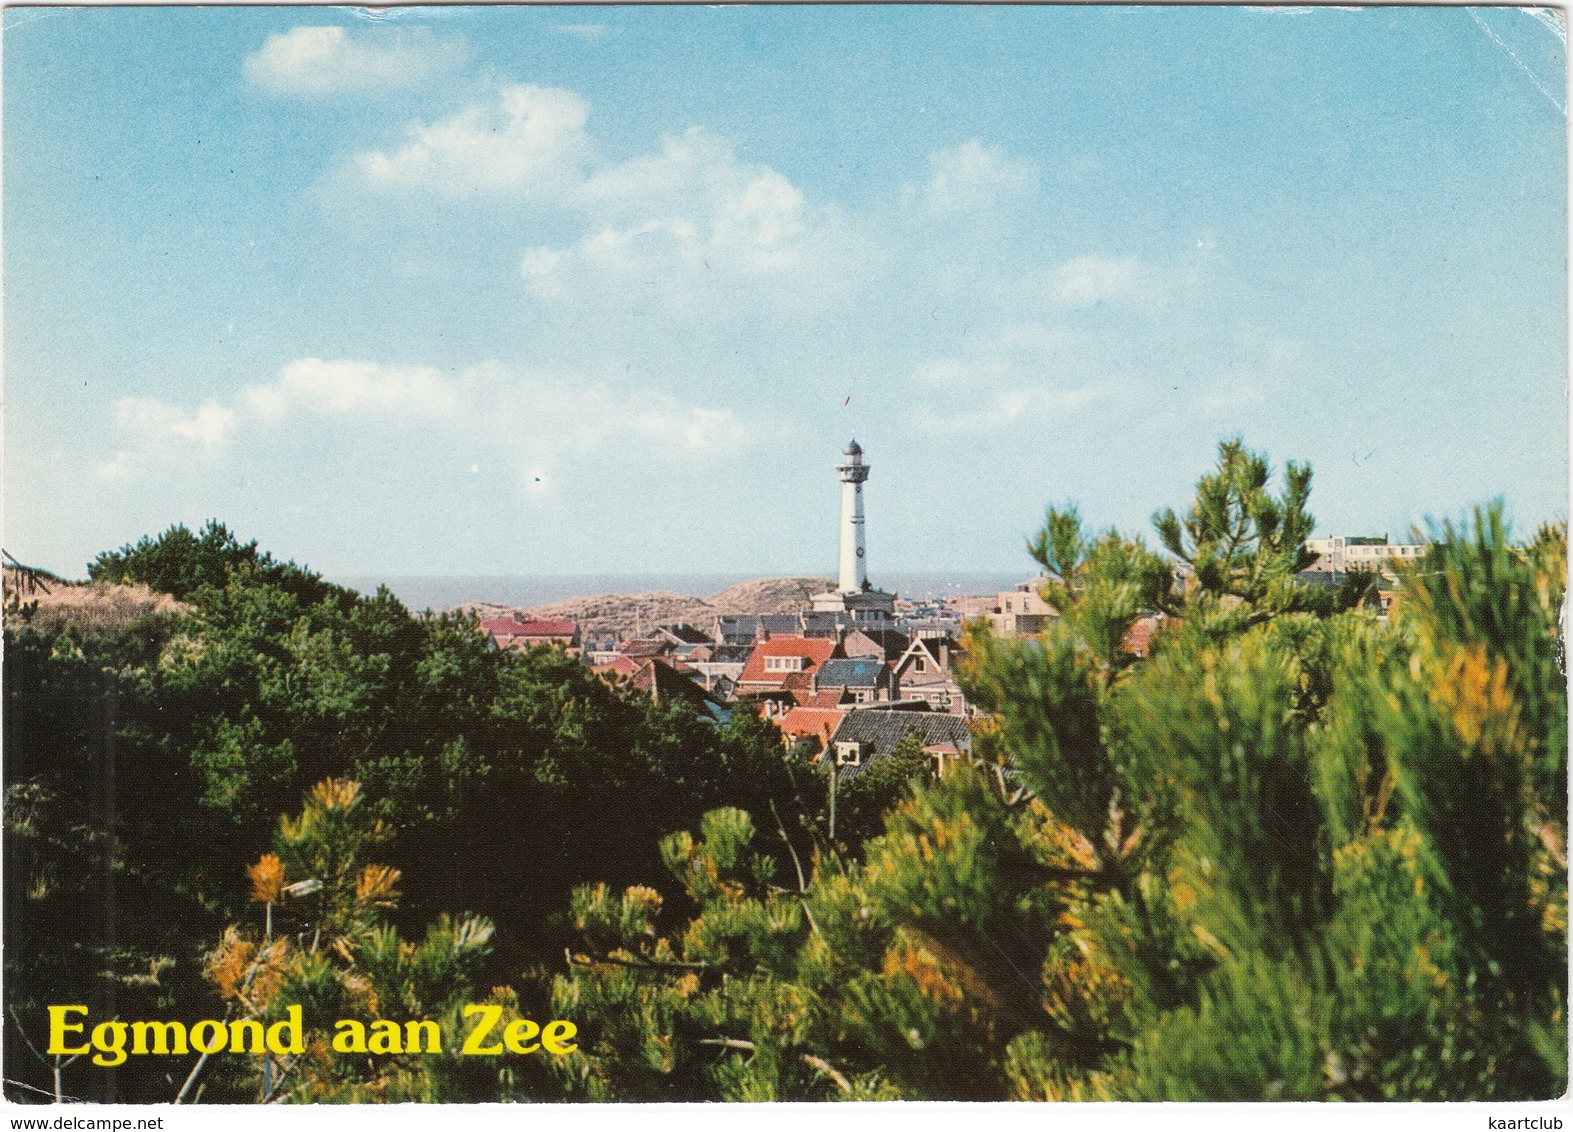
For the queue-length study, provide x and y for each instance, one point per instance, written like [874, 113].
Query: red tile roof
[814, 651]
[516, 627]
[818, 723]
[619, 665]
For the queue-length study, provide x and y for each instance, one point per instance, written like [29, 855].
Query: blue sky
[549, 290]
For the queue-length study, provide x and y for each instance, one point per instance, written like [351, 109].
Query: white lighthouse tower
[854, 570]
[854, 597]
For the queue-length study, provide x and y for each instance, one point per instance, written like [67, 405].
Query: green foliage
[1302, 852]
[1243, 545]
[271, 680]
[1299, 852]
[180, 563]
[1099, 584]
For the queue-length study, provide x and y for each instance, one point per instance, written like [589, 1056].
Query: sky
[608, 289]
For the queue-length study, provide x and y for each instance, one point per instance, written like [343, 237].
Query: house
[1022, 611]
[931, 627]
[864, 736]
[784, 664]
[617, 665]
[515, 633]
[683, 639]
[858, 680]
[719, 666]
[750, 628]
[1138, 638]
[924, 673]
[821, 624]
[809, 728]
[643, 648]
[1342, 554]
[665, 684]
[886, 644]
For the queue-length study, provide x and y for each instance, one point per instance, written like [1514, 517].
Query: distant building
[514, 633]
[1022, 611]
[1342, 554]
[932, 628]
[663, 683]
[1138, 638]
[887, 644]
[750, 628]
[643, 648]
[683, 639]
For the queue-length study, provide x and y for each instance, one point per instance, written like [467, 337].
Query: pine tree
[1301, 852]
[325, 946]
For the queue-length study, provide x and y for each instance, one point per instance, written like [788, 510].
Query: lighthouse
[854, 599]
[854, 568]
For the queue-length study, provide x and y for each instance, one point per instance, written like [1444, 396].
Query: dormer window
[849, 754]
[783, 664]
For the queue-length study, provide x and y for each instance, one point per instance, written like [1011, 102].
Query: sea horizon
[440, 592]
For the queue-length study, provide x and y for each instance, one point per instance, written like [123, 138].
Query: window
[920, 665]
[783, 664]
[849, 754]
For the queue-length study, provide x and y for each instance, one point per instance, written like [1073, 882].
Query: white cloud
[1011, 355]
[350, 388]
[693, 429]
[162, 433]
[999, 411]
[1092, 279]
[1019, 372]
[972, 177]
[691, 216]
[528, 420]
[319, 61]
[529, 141]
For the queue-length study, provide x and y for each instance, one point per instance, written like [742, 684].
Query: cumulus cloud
[972, 177]
[528, 141]
[351, 388]
[1017, 373]
[162, 433]
[526, 417]
[320, 61]
[690, 216]
[690, 212]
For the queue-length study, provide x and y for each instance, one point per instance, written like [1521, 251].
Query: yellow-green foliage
[325, 946]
